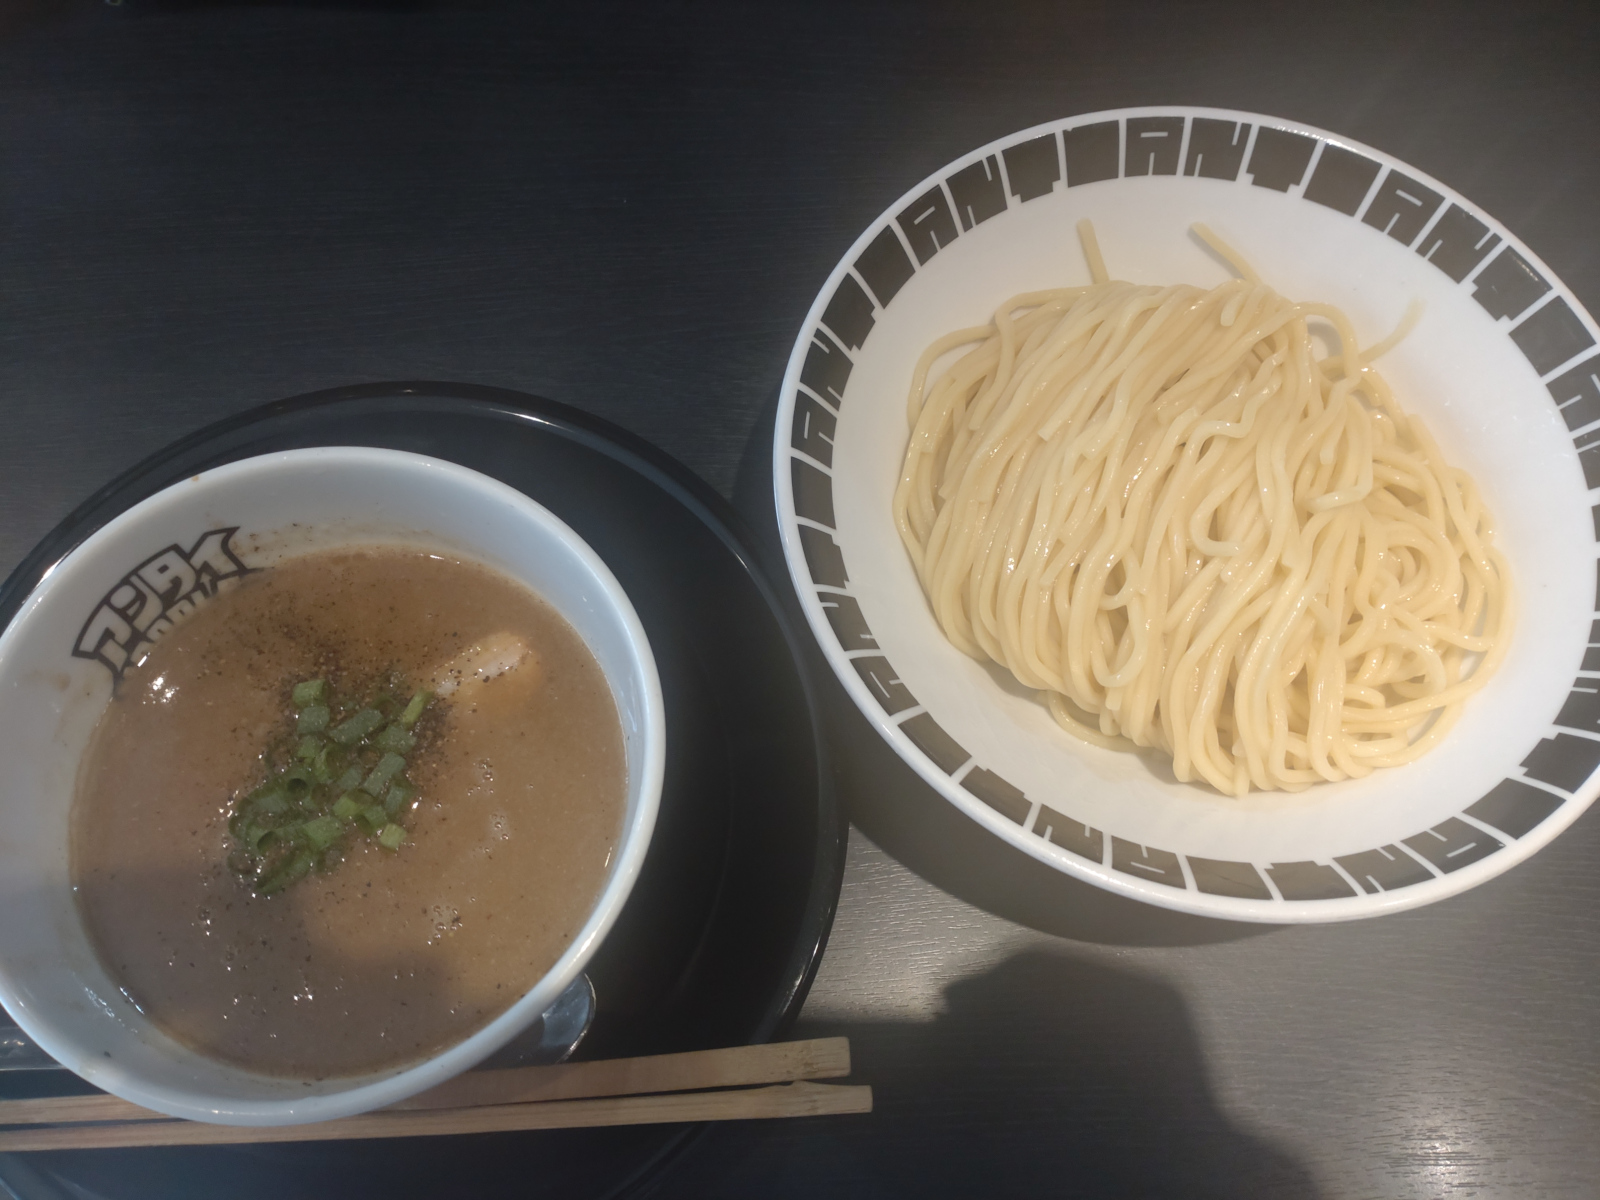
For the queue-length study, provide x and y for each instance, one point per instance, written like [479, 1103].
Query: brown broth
[390, 956]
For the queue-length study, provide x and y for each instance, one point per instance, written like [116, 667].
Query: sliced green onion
[298, 866]
[348, 732]
[300, 788]
[313, 720]
[388, 767]
[398, 798]
[323, 831]
[266, 789]
[274, 799]
[395, 737]
[414, 708]
[271, 805]
[339, 773]
[255, 836]
[326, 763]
[346, 807]
[308, 693]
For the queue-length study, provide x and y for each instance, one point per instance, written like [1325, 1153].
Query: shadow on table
[892, 805]
[1046, 1076]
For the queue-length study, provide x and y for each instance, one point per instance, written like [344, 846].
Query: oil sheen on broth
[389, 956]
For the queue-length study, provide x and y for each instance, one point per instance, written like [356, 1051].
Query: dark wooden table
[629, 208]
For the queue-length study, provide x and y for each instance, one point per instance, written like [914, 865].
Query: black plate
[722, 935]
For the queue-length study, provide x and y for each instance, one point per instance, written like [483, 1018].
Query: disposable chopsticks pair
[734, 1084]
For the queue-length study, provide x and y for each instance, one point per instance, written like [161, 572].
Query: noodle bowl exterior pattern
[1504, 819]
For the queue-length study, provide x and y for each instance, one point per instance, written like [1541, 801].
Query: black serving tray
[724, 930]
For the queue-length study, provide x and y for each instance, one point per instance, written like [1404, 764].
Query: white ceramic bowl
[56, 668]
[1503, 368]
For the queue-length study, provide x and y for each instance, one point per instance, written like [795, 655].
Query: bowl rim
[1018, 832]
[389, 1085]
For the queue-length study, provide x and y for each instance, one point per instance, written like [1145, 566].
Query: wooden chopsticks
[739, 1083]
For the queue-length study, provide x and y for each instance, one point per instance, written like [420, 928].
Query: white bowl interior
[1477, 391]
[281, 505]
